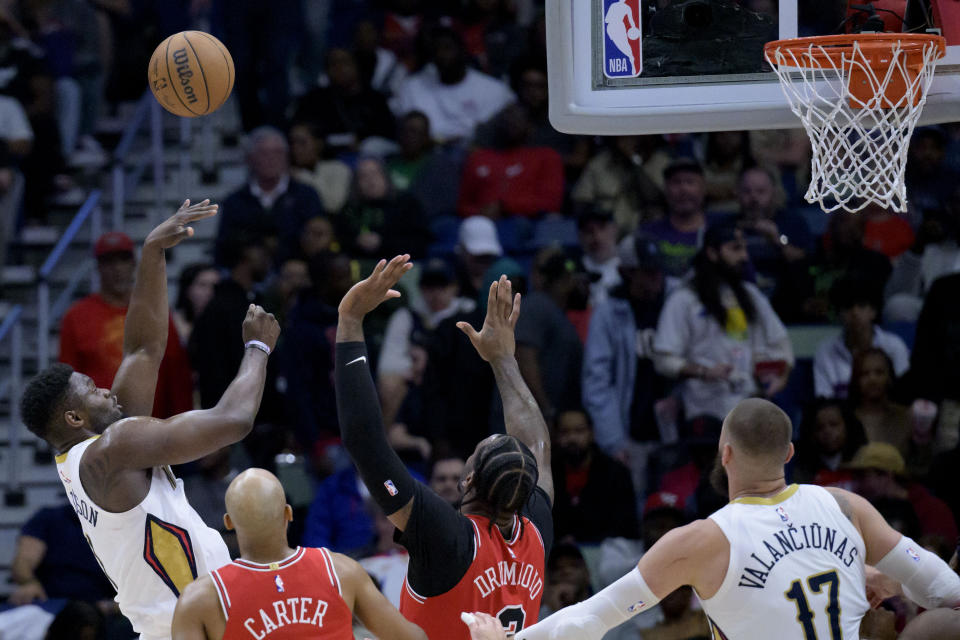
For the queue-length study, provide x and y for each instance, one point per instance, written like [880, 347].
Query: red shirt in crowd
[525, 180]
[91, 341]
[890, 235]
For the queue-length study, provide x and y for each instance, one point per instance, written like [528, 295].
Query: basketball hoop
[859, 97]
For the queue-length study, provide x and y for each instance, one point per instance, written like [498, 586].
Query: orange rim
[834, 48]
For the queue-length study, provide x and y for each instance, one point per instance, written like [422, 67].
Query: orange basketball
[191, 74]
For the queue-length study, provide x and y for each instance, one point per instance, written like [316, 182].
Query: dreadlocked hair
[43, 396]
[506, 474]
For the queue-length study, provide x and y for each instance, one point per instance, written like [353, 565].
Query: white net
[860, 142]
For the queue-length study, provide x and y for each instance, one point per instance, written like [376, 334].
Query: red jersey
[505, 580]
[296, 599]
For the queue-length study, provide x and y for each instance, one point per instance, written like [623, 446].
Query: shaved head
[760, 429]
[256, 504]
[936, 624]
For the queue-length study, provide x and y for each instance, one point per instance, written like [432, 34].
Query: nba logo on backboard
[622, 39]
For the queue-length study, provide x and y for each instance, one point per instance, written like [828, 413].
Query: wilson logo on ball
[182, 61]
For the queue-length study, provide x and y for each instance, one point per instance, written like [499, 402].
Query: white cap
[478, 237]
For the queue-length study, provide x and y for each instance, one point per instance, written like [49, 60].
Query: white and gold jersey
[795, 572]
[149, 553]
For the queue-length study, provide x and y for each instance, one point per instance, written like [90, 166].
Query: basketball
[633, 33]
[191, 74]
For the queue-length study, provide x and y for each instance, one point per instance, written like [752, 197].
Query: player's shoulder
[848, 502]
[698, 538]
[199, 595]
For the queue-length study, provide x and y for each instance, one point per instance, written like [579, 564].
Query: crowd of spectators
[665, 278]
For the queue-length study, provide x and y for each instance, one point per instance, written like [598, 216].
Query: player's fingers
[468, 329]
[504, 296]
[468, 619]
[392, 293]
[201, 213]
[515, 313]
[492, 298]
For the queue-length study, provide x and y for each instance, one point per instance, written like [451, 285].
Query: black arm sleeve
[540, 512]
[361, 428]
[440, 542]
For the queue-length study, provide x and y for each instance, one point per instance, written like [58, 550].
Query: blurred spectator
[430, 173]
[385, 560]
[598, 240]
[194, 292]
[379, 221]
[317, 237]
[413, 136]
[28, 125]
[53, 560]
[338, 518]
[70, 34]
[282, 289]
[491, 34]
[871, 387]
[719, 334]
[726, 156]
[216, 343]
[549, 351]
[401, 29]
[512, 177]
[528, 79]
[934, 253]
[270, 204]
[830, 435]
[438, 301]
[804, 295]
[680, 620]
[622, 179]
[930, 180]
[346, 112]
[789, 151]
[680, 234]
[379, 67]
[91, 332]
[776, 238]
[261, 37]
[857, 301]
[477, 248]
[330, 178]
[445, 478]
[78, 620]
[408, 432]
[206, 489]
[886, 232]
[621, 389]
[305, 355]
[567, 579]
[936, 353]
[590, 485]
[881, 474]
[454, 97]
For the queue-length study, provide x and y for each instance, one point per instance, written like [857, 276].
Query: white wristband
[256, 344]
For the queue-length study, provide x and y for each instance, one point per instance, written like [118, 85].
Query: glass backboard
[662, 66]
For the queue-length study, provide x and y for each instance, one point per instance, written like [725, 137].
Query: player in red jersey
[488, 555]
[274, 592]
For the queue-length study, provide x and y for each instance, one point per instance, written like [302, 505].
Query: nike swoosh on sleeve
[360, 359]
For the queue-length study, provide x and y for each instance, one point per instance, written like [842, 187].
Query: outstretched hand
[366, 295]
[176, 228]
[495, 339]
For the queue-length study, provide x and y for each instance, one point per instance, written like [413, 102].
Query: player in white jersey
[115, 468]
[777, 561]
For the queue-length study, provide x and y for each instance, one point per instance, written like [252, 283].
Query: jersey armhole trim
[222, 595]
[477, 543]
[419, 599]
[334, 578]
[537, 531]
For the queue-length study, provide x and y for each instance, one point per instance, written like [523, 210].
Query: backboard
[672, 66]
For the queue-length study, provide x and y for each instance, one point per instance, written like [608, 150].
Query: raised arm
[926, 579]
[361, 423]
[369, 605]
[143, 442]
[496, 344]
[147, 322]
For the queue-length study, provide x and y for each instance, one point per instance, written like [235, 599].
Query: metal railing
[11, 327]
[122, 181]
[89, 210]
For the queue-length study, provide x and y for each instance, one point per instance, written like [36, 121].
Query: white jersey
[796, 569]
[149, 553]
